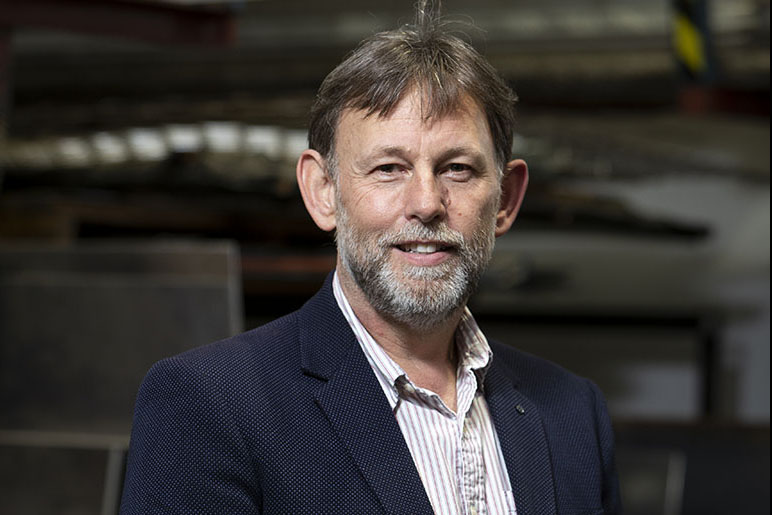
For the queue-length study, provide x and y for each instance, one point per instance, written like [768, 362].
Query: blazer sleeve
[186, 453]
[612, 503]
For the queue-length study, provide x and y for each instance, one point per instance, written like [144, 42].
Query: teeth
[421, 248]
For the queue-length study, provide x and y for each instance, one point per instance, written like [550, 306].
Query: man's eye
[390, 168]
[459, 170]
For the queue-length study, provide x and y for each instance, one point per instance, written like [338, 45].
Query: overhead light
[109, 148]
[184, 138]
[147, 144]
[74, 152]
[222, 137]
[264, 140]
[295, 142]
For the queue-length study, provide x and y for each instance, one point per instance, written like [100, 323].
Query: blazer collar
[523, 442]
[354, 403]
[324, 335]
[359, 412]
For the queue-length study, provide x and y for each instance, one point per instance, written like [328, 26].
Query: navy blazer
[289, 418]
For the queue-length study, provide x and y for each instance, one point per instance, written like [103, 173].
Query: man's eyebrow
[389, 150]
[385, 151]
[477, 157]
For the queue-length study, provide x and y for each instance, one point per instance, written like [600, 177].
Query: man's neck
[427, 356]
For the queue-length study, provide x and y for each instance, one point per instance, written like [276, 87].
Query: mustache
[439, 232]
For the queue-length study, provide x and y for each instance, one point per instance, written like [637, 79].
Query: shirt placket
[470, 464]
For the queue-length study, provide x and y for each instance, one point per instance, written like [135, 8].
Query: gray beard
[421, 297]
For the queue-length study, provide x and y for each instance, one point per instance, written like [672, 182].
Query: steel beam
[154, 23]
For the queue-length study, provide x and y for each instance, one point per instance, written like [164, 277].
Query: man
[381, 395]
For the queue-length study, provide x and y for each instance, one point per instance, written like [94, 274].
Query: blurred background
[148, 205]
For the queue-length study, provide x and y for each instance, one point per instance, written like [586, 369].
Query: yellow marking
[689, 44]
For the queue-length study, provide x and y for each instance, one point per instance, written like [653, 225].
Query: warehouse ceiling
[609, 63]
[179, 122]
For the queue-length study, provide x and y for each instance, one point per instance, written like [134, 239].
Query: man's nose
[426, 197]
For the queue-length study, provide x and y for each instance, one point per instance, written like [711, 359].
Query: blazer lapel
[523, 444]
[354, 403]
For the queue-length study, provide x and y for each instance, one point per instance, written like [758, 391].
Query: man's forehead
[358, 127]
[416, 104]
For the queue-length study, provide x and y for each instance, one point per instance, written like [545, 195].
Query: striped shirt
[457, 455]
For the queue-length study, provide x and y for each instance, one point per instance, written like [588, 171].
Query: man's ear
[513, 186]
[317, 189]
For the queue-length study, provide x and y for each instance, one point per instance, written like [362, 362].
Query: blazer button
[519, 408]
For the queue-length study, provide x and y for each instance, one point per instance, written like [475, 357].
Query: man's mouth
[423, 248]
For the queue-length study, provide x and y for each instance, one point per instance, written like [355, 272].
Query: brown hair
[426, 56]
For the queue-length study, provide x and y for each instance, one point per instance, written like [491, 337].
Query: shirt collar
[474, 353]
[472, 346]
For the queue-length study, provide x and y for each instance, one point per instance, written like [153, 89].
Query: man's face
[416, 208]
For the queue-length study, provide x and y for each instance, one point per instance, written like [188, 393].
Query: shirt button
[472, 510]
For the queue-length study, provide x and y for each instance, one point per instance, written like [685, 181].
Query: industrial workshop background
[148, 205]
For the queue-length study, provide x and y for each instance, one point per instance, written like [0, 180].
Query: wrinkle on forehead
[411, 109]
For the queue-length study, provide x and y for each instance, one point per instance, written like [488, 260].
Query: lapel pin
[520, 409]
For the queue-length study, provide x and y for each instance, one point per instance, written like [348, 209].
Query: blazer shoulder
[272, 353]
[525, 365]
[262, 349]
[541, 379]
[575, 418]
